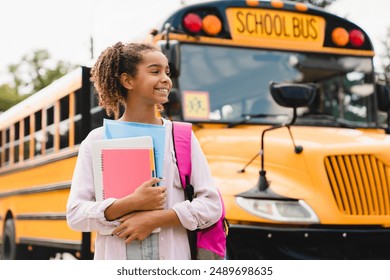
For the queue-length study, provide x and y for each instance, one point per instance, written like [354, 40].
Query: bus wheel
[9, 242]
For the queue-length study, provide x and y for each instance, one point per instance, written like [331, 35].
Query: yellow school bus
[284, 102]
[39, 140]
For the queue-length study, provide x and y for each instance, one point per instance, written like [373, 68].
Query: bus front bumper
[325, 242]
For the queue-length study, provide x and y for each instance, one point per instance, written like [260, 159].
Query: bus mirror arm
[167, 28]
[262, 183]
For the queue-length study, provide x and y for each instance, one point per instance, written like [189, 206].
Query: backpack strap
[181, 134]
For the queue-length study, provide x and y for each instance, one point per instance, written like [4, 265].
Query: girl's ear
[126, 81]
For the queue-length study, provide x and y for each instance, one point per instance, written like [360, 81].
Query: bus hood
[317, 175]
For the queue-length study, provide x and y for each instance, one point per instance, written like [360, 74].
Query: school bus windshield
[226, 84]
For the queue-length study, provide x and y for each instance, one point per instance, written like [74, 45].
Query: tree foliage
[34, 72]
[318, 3]
[8, 97]
[385, 56]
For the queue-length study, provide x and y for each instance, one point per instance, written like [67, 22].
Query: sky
[65, 27]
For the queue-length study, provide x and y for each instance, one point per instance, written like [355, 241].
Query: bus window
[17, 142]
[64, 122]
[97, 113]
[78, 117]
[27, 137]
[50, 130]
[38, 133]
[242, 89]
[6, 146]
[1, 149]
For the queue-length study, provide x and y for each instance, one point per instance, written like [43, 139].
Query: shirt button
[162, 238]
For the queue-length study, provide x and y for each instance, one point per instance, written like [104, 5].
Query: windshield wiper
[248, 117]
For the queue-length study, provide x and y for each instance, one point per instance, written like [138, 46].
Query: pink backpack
[208, 243]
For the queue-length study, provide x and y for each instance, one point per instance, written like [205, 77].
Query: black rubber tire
[9, 248]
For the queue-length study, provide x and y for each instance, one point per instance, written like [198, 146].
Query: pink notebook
[124, 170]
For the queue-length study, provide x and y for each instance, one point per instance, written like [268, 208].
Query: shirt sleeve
[83, 212]
[206, 208]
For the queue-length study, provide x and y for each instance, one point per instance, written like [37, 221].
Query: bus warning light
[277, 4]
[211, 25]
[356, 37]
[340, 36]
[192, 23]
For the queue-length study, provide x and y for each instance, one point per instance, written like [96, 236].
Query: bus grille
[360, 184]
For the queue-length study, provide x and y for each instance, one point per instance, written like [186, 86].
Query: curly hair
[112, 62]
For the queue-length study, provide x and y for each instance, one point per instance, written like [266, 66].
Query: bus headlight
[296, 211]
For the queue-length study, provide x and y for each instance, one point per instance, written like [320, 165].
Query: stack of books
[130, 154]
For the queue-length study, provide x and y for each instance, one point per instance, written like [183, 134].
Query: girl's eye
[168, 74]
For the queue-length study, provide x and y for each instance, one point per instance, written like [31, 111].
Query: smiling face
[152, 84]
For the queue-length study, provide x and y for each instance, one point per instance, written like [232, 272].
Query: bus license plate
[254, 24]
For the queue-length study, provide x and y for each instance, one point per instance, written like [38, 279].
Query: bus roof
[267, 23]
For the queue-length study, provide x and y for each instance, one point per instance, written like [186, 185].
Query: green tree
[34, 72]
[8, 97]
[385, 56]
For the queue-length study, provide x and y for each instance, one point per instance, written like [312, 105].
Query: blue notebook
[118, 129]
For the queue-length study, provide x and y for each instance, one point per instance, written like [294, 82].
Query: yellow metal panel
[276, 28]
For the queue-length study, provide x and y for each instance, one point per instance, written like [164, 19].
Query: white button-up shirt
[85, 214]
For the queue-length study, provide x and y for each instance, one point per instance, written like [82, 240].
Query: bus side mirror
[383, 97]
[171, 49]
[293, 95]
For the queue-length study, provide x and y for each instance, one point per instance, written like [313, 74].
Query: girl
[137, 76]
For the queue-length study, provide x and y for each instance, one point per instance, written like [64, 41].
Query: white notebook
[121, 165]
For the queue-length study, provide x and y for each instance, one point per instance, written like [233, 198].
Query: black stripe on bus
[38, 161]
[42, 216]
[37, 189]
[54, 243]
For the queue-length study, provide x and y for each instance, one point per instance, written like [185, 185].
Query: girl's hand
[135, 226]
[149, 197]
[145, 197]
[138, 225]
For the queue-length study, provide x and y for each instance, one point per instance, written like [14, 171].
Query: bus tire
[9, 248]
